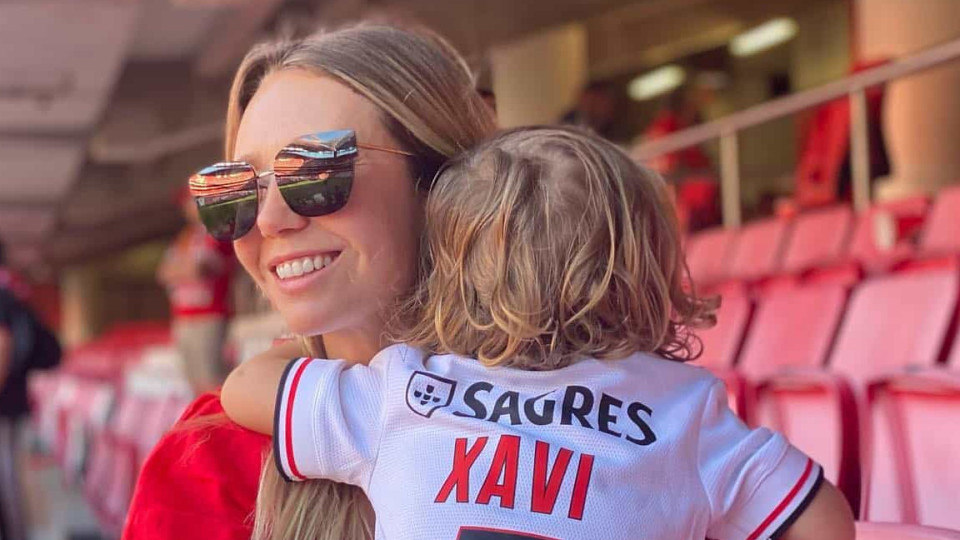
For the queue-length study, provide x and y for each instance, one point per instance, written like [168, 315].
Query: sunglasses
[314, 175]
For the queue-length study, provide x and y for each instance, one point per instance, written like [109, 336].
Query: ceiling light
[763, 37]
[657, 82]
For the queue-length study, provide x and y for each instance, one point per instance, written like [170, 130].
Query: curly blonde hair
[549, 244]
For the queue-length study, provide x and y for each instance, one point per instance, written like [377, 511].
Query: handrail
[852, 85]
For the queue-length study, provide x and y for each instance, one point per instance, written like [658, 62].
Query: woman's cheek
[247, 250]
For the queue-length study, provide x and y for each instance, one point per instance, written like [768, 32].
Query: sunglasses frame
[339, 147]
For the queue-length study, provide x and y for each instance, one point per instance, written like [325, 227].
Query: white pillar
[538, 79]
[922, 113]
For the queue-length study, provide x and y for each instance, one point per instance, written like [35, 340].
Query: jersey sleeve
[328, 420]
[757, 482]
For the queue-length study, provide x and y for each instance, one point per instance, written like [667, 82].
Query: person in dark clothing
[25, 345]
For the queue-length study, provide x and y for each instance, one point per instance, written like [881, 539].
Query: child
[539, 390]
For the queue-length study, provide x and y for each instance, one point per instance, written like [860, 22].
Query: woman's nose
[275, 217]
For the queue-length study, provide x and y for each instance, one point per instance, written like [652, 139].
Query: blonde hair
[547, 245]
[425, 91]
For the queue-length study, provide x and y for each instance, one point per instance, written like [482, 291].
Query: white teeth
[303, 266]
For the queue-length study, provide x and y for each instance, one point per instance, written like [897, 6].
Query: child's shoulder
[647, 363]
[660, 375]
[400, 353]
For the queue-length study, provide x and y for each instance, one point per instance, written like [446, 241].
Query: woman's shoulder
[201, 479]
[205, 438]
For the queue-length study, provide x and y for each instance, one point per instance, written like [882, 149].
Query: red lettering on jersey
[580, 487]
[505, 464]
[545, 490]
[459, 477]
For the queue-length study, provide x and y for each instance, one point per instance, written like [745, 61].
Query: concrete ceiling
[69, 79]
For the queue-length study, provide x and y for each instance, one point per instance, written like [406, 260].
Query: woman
[410, 100]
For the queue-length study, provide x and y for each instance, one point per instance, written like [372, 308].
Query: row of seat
[831, 243]
[855, 371]
[99, 424]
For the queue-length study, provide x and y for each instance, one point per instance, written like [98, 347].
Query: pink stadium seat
[818, 413]
[892, 323]
[895, 322]
[721, 344]
[85, 411]
[941, 232]
[708, 254]
[914, 476]
[908, 449]
[897, 531]
[819, 238]
[118, 490]
[792, 328]
[863, 247]
[162, 416]
[758, 248]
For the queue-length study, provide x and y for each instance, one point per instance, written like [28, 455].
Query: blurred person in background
[25, 345]
[196, 270]
[688, 170]
[595, 109]
[410, 102]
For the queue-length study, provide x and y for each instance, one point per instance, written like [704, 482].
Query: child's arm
[827, 518]
[249, 395]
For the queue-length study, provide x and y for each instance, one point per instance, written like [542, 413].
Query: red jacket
[200, 482]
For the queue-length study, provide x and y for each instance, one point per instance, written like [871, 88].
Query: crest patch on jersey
[427, 392]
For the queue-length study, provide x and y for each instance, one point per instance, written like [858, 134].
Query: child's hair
[549, 244]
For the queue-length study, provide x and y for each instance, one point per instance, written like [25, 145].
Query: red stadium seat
[708, 253]
[819, 238]
[792, 328]
[758, 248]
[897, 531]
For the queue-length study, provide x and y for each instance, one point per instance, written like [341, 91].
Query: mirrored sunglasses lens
[316, 193]
[226, 197]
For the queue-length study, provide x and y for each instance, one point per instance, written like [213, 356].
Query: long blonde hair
[550, 244]
[426, 94]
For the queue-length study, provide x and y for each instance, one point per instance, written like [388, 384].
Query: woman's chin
[308, 321]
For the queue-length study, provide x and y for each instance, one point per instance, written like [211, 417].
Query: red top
[200, 482]
[202, 296]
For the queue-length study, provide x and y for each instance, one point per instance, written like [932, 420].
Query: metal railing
[726, 129]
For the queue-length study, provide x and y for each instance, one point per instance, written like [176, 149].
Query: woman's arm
[249, 394]
[827, 518]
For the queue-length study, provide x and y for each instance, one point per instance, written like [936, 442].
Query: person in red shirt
[334, 250]
[196, 272]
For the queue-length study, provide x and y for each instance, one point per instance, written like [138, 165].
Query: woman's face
[373, 241]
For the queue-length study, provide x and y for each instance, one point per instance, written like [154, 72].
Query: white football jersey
[446, 448]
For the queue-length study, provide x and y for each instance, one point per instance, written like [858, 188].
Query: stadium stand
[757, 250]
[896, 531]
[708, 255]
[819, 238]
